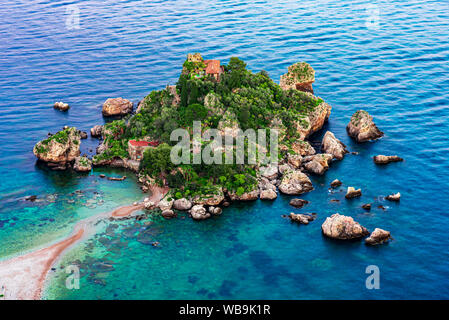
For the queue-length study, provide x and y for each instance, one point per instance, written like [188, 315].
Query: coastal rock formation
[82, 164]
[300, 76]
[83, 134]
[168, 214]
[378, 236]
[117, 107]
[216, 211]
[148, 204]
[60, 149]
[270, 172]
[333, 146]
[295, 182]
[343, 227]
[353, 193]
[209, 199]
[303, 148]
[166, 204]
[96, 131]
[61, 106]
[182, 204]
[381, 159]
[317, 164]
[198, 212]
[247, 196]
[268, 194]
[302, 218]
[394, 197]
[336, 183]
[367, 206]
[362, 128]
[314, 120]
[298, 203]
[294, 160]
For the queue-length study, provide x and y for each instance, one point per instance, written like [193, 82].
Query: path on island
[23, 277]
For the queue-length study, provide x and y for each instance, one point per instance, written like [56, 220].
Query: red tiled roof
[139, 143]
[212, 66]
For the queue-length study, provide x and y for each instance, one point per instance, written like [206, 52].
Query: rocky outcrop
[300, 76]
[298, 203]
[198, 212]
[61, 106]
[82, 164]
[268, 195]
[60, 149]
[381, 159]
[209, 199]
[247, 196]
[182, 204]
[333, 146]
[343, 227]
[336, 183]
[302, 218]
[317, 164]
[96, 131]
[270, 172]
[165, 204]
[394, 197]
[294, 160]
[117, 107]
[362, 128]
[353, 193]
[303, 148]
[378, 236]
[148, 204]
[295, 182]
[314, 121]
[216, 211]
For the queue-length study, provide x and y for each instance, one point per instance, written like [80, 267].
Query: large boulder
[300, 76]
[166, 204]
[182, 204]
[302, 218]
[378, 236]
[333, 146]
[362, 128]
[268, 194]
[117, 107]
[298, 203]
[295, 182]
[61, 106]
[96, 131]
[317, 164]
[381, 159]
[59, 150]
[246, 196]
[270, 172]
[198, 212]
[343, 227]
[353, 193]
[82, 164]
[394, 197]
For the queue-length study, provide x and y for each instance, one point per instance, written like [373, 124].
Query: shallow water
[398, 73]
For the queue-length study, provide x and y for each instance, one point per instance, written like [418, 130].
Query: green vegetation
[61, 137]
[240, 99]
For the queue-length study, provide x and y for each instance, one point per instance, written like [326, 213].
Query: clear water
[398, 73]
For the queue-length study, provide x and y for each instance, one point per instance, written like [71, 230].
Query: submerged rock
[353, 193]
[343, 227]
[168, 214]
[182, 204]
[394, 197]
[302, 218]
[336, 183]
[317, 164]
[198, 212]
[117, 107]
[295, 182]
[362, 128]
[298, 203]
[61, 106]
[381, 159]
[82, 164]
[333, 146]
[378, 236]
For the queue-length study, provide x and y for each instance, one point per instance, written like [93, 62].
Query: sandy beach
[23, 277]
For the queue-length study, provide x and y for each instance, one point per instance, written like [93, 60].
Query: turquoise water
[398, 73]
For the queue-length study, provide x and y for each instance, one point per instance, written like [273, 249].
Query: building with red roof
[214, 69]
[136, 148]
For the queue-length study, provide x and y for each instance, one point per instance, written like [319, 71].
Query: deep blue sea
[397, 70]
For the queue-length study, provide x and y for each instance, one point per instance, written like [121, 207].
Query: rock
[82, 164]
[295, 182]
[102, 176]
[333, 146]
[210, 199]
[226, 204]
[362, 128]
[302, 218]
[165, 204]
[367, 206]
[117, 107]
[216, 211]
[198, 212]
[283, 168]
[336, 183]
[148, 204]
[61, 106]
[378, 236]
[83, 135]
[116, 179]
[298, 203]
[168, 214]
[247, 196]
[294, 160]
[270, 172]
[317, 164]
[268, 194]
[96, 131]
[353, 193]
[60, 149]
[394, 197]
[182, 204]
[381, 159]
[31, 198]
[300, 76]
[303, 148]
[342, 227]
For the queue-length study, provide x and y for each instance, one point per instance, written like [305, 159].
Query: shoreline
[23, 277]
